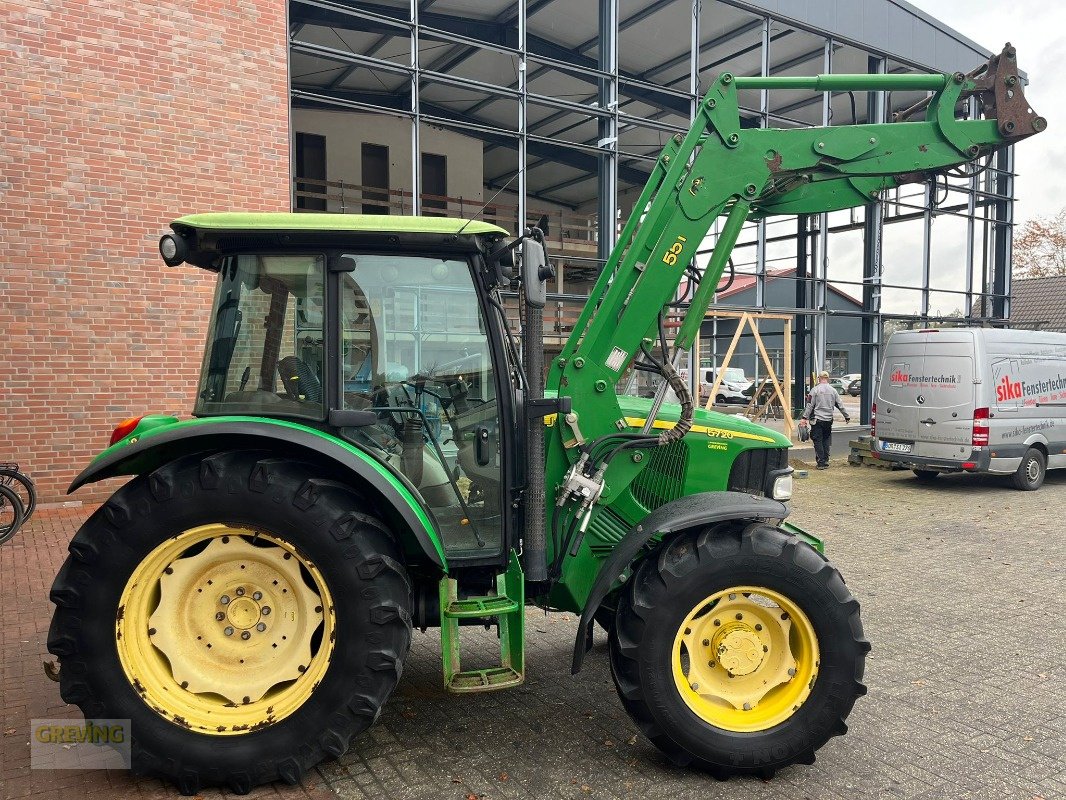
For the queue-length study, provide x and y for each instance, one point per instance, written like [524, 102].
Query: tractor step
[480, 607]
[508, 606]
[485, 680]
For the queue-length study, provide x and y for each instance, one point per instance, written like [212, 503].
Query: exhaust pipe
[535, 272]
[535, 539]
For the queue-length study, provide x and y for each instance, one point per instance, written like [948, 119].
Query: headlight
[783, 487]
[173, 249]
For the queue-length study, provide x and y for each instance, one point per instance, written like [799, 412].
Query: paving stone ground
[961, 587]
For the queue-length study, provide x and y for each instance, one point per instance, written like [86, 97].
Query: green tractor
[369, 454]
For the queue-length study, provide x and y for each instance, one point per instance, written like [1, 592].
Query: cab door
[415, 350]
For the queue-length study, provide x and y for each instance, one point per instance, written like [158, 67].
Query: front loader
[368, 454]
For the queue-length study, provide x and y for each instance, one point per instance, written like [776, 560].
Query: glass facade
[558, 108]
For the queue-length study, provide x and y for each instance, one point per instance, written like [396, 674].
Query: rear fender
[685, 513]
[399, 503]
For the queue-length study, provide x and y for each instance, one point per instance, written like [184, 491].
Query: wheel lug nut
[220, 616]
[257, 596]
[246, 635]
[266, 611]
[758, 627]
[747, 706]
[732, 597]
[240, 592]
[228, 631]
[740, 616]
[792, 672]
[261, 627]
[224, 599]
[717, 622]
[706, 642]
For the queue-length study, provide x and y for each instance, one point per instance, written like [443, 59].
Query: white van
[973, 400]
[731, 389]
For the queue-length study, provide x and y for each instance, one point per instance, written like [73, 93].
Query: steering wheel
[299, 380]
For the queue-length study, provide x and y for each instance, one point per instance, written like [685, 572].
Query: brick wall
[116, 117]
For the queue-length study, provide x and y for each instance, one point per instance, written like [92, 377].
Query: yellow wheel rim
[745, 659]
[223, 630]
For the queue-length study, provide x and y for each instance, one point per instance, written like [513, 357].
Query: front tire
[1031, 472]
[711, 620]
[164, 618]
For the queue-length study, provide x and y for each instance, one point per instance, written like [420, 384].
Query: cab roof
[369, 223]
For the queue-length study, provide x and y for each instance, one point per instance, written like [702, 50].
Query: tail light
[124, 429]
[980, 427]
[873, 420]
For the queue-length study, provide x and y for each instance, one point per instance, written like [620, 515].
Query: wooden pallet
[856, 459]
[862, 455]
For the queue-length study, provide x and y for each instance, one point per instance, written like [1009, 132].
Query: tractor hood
[707, 423]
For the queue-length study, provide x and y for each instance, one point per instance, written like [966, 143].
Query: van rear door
[925, 397]
[944, 395]
[897, 411]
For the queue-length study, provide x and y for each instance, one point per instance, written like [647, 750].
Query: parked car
[851, 376]
[731, 389]
[973, 400]
[855, 387]
[838, 384]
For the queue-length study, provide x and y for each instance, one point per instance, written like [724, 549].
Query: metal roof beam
[555, 187]
[718, 41]
[479, 129]
[584, 47]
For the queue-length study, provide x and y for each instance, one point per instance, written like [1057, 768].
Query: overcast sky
[1038, 29]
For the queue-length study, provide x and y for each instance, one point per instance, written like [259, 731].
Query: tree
[1040, 247]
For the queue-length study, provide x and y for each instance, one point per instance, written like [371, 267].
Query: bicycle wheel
[11, 513]
[23, 487]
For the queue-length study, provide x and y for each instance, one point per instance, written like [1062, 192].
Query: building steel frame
[984, 200]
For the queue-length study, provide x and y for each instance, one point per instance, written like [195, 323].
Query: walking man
[819, 409]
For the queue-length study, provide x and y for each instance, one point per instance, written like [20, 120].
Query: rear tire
[23, 486]
[335, 545]
[12, 513]
[1031, 472]
[654, 613]
[926, 475]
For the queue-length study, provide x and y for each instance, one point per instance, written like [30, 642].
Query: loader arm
[720, 168]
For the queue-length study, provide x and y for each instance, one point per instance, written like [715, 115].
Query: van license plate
[896, 447]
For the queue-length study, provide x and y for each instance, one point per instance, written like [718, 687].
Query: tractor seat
[299, 380]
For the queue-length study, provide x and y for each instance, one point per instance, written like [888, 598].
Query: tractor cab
[374, 329]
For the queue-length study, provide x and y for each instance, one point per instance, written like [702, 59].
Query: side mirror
[535, 273]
